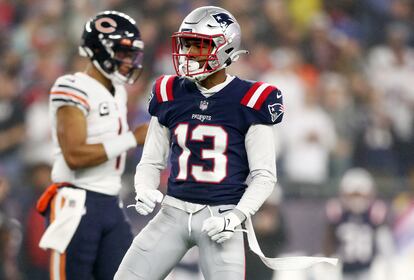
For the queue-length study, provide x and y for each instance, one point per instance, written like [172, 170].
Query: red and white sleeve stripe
[164, 88]
[257, 94]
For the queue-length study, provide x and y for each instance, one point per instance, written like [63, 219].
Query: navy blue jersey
[355, 234]
[208, 157]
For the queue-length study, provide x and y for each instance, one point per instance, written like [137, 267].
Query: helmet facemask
[124, 62]
[217, 31]
[198, 64]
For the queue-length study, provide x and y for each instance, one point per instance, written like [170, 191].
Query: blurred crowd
[345, 67]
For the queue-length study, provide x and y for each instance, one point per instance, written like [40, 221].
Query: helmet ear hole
[229, 50]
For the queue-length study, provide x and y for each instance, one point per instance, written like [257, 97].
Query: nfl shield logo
[203, 105]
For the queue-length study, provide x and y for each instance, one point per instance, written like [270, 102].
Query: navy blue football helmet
[112, 41]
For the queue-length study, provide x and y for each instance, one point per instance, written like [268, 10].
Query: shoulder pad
[67, 90]
[164, 88]
[257, 94]
[266, 101]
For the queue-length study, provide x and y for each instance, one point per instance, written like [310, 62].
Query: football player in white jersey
[88, 233]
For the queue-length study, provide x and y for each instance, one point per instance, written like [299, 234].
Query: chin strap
[198, 78]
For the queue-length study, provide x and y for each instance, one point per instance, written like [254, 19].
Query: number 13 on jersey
[217, 153]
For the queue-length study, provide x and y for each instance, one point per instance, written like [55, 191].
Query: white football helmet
[357, 190]
[215, 29]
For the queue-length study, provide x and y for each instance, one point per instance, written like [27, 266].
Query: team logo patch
[203, 105]
[104, 109]
[276, 110]
[223, 19]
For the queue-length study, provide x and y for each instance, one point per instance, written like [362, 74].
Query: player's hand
[146, 200]
[221, 229]
[140, 132]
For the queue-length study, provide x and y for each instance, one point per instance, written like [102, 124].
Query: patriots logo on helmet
[276, 110]
[223, 19]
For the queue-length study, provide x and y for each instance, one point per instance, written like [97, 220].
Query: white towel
[67, 218]
[287, 263]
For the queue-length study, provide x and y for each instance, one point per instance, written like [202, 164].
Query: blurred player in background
[10, 236]
[88, 232]
[403, 230]
[357, 230]
[219, 129]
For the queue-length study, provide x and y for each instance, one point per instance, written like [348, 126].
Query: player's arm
[329, 240]
[265, 103]
[72, 134]
[154, 159]
[261, 155]
[140, 133]
[260, 148]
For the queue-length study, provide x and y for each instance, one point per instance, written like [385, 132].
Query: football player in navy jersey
[218, 130]
[88, 233]
[356, 229]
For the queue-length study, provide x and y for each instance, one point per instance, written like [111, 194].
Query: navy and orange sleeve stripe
[62, 94]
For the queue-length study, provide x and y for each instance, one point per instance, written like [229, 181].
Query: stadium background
[346, 68]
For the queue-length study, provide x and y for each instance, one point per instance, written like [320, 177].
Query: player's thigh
[222, 261]
[78, 259]
[113, 246]
[157, 248]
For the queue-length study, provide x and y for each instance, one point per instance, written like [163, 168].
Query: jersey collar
[211, 91]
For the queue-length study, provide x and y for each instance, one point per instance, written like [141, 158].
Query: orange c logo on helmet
[109, 29]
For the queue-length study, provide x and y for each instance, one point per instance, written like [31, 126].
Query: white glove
[221, 229]
[146, 200]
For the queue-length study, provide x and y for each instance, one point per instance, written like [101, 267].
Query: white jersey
[106, 118]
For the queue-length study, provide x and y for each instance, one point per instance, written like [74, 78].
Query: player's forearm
[154, 156]
[261, 154]
[83, 156]
[140, 133]
[258, 190]
[11, 137]
[147, 176]
[88, 155]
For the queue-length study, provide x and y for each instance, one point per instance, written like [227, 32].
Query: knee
[228, 275]
[125, 273]
[134, 266]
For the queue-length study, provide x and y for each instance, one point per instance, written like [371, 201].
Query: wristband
[117, 145]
